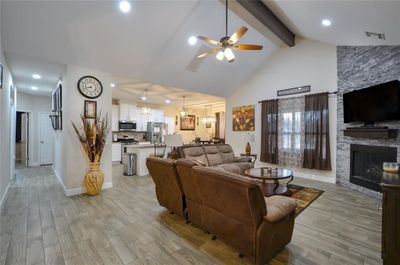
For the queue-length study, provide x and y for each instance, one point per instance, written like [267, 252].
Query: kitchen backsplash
[138, 136]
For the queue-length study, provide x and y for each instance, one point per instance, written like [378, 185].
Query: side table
[253, 157]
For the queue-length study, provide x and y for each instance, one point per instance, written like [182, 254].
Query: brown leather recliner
[234, 208]
[168, 186]
[190, 189]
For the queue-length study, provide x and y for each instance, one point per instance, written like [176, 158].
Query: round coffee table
[275, 187]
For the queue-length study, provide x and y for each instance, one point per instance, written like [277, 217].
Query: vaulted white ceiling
[148, 44]
[350, 20]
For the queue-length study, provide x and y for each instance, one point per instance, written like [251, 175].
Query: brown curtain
[269, 131]
[317, 153]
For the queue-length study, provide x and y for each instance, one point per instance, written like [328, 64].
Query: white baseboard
[3, 198]
[34, 164]
[318, 178]
[59, 179]
[79, 190]
[82, 190]
[323, 176]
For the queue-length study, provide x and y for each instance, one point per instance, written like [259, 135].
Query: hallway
[125, 225]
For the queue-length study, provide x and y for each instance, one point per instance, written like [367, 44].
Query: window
[291, 133]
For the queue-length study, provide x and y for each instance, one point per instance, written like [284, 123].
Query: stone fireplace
[359, 67]
[366, 164]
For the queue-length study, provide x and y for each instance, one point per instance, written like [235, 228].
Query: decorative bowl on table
[391, 167]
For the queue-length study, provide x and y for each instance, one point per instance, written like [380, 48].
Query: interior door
[24, 143]
[46, 140]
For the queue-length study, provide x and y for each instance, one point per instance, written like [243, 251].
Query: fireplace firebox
[366, 164]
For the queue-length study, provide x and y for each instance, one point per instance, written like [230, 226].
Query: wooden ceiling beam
[261, 12]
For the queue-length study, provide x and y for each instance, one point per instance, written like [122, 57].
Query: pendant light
[209, 118]
[145, 109]
[184, 112]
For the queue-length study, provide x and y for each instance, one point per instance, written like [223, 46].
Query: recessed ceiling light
[34, 87]
[326, 22]
[143, 98]
[192, 40]
[125, 6]
[112, 85]
[167, 101]
[36, 76]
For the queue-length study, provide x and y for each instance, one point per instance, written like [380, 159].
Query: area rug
[304, 196]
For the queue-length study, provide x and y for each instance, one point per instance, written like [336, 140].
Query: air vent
[379, 36]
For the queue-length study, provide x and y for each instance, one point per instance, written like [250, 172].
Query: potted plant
[92, 136]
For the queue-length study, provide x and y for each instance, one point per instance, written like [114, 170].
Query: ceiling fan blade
[195, 62]
[248, 47]
[210, 52]
[208, 40]
[238, 34]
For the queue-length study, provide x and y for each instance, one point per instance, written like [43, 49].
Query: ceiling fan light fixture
[220, 56]
[229, 54]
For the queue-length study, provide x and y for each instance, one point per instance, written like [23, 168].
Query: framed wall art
[188, 123]
[90, 110]
[243, 118]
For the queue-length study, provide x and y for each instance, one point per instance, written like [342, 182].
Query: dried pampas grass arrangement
[93, 135]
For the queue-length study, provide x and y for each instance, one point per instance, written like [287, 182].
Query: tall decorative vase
[248, 149]
[94, 179]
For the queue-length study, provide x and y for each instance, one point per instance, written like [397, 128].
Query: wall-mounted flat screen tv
[373, 104]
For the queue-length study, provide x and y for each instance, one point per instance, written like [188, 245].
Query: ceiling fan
[227, 43]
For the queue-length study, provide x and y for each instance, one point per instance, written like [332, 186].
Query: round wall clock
[90, 87]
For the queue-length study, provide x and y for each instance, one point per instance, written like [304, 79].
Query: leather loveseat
[219, 155]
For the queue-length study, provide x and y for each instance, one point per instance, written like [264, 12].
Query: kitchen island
[142, 151]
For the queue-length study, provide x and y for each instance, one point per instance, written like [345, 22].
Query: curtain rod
[329, 93]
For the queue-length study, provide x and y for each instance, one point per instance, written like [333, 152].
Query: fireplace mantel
[371, 133]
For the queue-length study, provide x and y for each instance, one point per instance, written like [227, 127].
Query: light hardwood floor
[125, 225]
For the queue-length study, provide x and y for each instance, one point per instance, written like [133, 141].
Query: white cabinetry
[115, 118]
[157, 115]
[141, 123]
[116, 152]
[127, 112]
[124, 112]
[130, 112]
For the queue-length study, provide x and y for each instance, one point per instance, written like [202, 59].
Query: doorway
[22, 139]
[46, 139]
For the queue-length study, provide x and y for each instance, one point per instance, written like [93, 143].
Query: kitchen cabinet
[128, 112]
[116, 152]
[115, 118]
[157, 115]
[124, 112]
[141, 123]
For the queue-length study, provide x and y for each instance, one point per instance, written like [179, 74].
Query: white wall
[308, 63]
[7, 130]
[71, 163]
[35, 105]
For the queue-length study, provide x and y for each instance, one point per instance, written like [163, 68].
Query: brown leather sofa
[219, 155]
[225, 204]
[168, 186]
[234, 208]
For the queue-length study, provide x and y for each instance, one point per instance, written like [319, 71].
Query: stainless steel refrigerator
[156, 132]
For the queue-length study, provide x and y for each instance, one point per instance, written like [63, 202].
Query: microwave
[127, 126]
